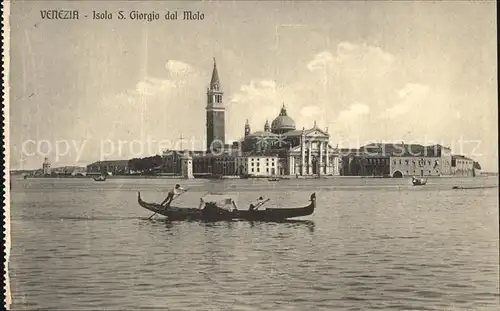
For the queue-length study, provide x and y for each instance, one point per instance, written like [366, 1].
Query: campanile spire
[214, 82]
[215, 113]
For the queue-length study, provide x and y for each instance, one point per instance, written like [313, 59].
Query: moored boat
[211, 211]
[418, 181]
[473, 187]
[274, 179]
[100, 178]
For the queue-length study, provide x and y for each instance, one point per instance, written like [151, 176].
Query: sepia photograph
[250, 155]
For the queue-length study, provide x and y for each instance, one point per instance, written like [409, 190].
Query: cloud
[256, 90]
[321, 61]
[311, 111]
[259, 100]
[324, 89]
[178, 68]
[156, 107]
[354, 111]
[150, 86]
[411, 97]
[352, 60]
[178, 74]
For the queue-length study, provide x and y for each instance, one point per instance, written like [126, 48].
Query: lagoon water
[371, 244]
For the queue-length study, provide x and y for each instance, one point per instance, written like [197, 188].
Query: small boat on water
[212, 211]
[418, 181]
[274, 179]
[100, 178]
[472, 187]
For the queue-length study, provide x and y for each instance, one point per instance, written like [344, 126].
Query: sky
[414, 71]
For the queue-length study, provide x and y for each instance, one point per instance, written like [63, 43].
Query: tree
[476, 165]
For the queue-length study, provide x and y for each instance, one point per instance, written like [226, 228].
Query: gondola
[100, 178]
[273, 179]
[418, 181]
[212, 212]
[472, 187]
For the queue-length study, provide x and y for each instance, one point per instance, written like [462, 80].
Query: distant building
[396, 160]
[187, 166]
[46, 170]
[462, 166]
[355, 162]
[172, 163]
[113, 167]
[258, 165]
[69, 170]
[415, 166]
[418, 160]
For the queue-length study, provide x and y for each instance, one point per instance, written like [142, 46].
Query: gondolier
[177, 190]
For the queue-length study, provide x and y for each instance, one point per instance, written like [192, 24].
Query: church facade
[303, 152]
[280, 149]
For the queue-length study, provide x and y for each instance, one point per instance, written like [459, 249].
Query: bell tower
[247, 128]
[216, 136]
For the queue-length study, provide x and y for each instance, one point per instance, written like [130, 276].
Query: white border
[6, 155]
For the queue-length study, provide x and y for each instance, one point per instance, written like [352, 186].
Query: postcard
[250, 155]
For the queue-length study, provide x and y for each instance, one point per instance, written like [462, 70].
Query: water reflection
[232, 224]
[309, 224]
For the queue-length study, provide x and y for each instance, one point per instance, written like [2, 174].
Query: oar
[171, 201]
[262, 203]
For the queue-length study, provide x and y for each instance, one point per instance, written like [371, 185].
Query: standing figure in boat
[178, 190]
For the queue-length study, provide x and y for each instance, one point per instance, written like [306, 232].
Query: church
[300, 151]
[278, 149]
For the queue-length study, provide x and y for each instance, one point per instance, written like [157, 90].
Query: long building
[400, 160]
[115, 167]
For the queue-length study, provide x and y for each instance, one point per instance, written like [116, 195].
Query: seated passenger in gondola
[257, 204]
[234, 206]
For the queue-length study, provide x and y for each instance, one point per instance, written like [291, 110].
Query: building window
[258, 170]
[267, 170]
[399, 162]
[252, 169]
[430, 172]
[394, 162]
